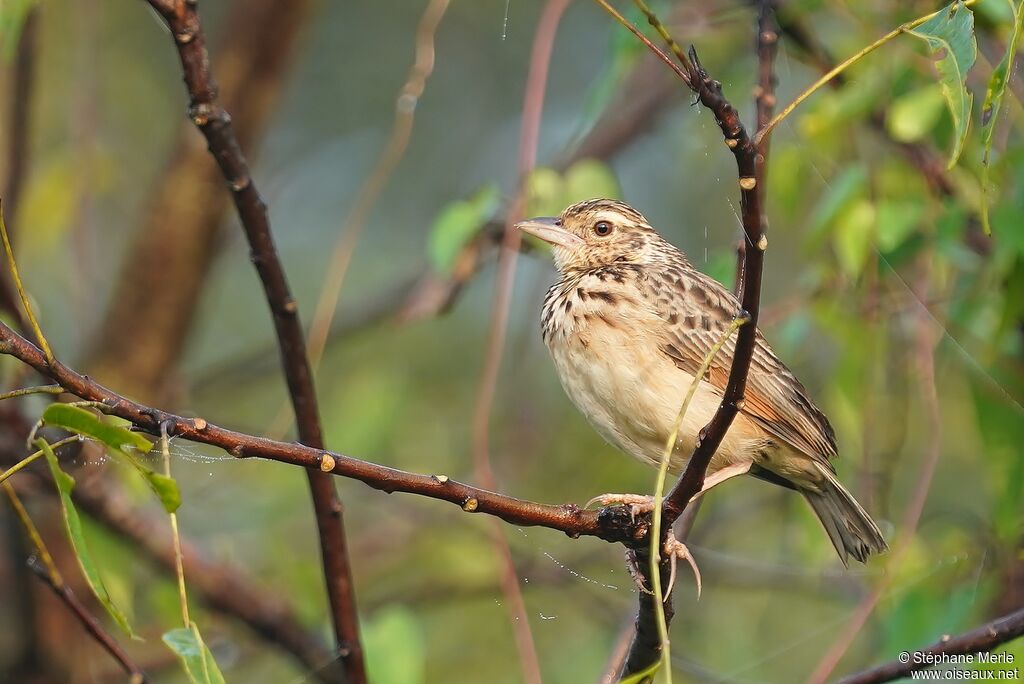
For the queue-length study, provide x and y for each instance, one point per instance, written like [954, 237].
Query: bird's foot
[675, 551]
[638, 503]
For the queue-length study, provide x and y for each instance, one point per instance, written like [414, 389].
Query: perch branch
[980, 640]
[613, 524]
[214, 122]
[646, 648]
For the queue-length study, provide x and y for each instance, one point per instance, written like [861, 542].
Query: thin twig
[925, 352]
[215, 124]
[31, 458]
[613, 524]
[91, 624]
[979, 640]
[841, 67]
[750, 167]
[24, 391]
[380, 175]
[44, 567]
[25, 303]
[172, 253]
[533, 105]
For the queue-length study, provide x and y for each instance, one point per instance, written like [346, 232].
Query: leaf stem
[659, 488]
[43, 344]
[843, 66]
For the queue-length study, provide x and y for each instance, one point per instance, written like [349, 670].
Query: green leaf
[545, 189]
[850, 184]
[77, 419]
[165, 488]
[195, 656]
[896, 221]
[913, 115]
[993, 102]
[854, 236]
[586, 179]
[65, 484]
[950, 37]
[457, 224]
[396, 651]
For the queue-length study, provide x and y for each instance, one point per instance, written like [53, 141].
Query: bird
[628, 325]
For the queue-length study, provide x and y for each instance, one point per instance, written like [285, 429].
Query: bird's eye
[602, 228]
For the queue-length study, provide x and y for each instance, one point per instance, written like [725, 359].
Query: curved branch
[214, 122]
[980, 640]
[613, 524]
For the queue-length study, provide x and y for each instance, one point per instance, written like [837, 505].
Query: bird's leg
[642, 503]
[719, 476]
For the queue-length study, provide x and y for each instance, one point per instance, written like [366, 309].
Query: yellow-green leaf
[457, 224]
[194, 654]
[912, 115]
[587, 179]
[993, 102]
[65, 484]
[950, 37]
[77, 419]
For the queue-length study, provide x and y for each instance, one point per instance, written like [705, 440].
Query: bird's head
[599, 232]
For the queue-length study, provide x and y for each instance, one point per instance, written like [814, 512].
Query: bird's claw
[674, 550]
[638, 503]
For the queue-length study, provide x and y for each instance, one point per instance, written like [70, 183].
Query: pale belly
[632, 393]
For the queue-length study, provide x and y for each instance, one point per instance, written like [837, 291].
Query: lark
[629, 324]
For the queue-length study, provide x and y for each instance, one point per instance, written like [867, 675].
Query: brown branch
[223, 586]
[647, 646]
[980, 640]
[612, 524]
[214, 122]
[182, 225]
[91, 624]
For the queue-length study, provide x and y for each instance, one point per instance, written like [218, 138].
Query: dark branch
[612, 524]
[215, 124]
[981, 640]
[91, 624]
[646, 648]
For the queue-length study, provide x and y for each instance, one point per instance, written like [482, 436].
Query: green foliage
[913, 115]
[195, 656]
[950, 37]
[65, 484]
[121, 443]
[396, 652]
[457, 224]
[79, 420]
[993, 101]
[549, 192]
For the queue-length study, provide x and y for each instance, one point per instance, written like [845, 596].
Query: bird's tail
[849, 527]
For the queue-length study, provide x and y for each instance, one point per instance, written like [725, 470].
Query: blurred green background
[869, 269]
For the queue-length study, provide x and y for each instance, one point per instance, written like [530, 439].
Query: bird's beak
[547, 229]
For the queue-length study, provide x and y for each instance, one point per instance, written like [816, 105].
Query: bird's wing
[697, 311]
